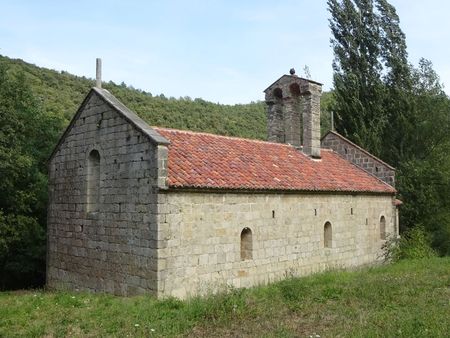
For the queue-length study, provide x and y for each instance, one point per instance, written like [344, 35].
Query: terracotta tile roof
[200, 160]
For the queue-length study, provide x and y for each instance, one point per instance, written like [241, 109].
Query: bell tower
[293, 113]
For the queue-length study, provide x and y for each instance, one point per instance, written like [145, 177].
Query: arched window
[327, 235]
[246, 244]
[278, 93]
[383, 227]
[294, 89]
[93, 181]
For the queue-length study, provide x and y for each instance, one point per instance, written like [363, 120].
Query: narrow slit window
[383, 227]
[93, 181]
[246, 244]
[327, 235]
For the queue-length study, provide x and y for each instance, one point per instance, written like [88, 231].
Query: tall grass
[410, 298]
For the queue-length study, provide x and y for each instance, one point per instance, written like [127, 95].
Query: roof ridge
[221, 136]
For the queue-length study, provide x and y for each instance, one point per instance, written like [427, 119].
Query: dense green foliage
[406, 299]
[27, 135]
[358, 88]
[61, 93]
[415, 243]
[396, 111]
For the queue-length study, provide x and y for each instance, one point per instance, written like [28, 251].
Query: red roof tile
[200, 160]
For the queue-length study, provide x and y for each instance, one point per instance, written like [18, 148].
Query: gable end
[122, 110]
[359, 157]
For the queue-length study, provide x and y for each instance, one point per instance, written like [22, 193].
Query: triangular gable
[122, 110]
[356, 146]
[289, 76]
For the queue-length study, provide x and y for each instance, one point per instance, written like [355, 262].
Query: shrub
[22, 252]
[413, 244]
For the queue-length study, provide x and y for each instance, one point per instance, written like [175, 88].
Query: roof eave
[277, 190]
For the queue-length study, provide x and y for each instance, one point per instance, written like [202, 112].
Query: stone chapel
[136, 209]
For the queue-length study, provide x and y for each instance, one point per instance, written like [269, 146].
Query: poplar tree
[396, 111]
[370, 61]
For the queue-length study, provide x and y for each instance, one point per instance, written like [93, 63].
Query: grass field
[406, 299]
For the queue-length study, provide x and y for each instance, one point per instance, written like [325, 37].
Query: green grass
[406, 299]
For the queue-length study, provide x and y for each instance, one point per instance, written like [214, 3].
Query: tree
[26, 136]
[370, 50]
[358, 87]
[424, 167]
[393, 109]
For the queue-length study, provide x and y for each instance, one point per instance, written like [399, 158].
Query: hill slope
[61, 93]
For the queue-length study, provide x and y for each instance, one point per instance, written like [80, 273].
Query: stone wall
[293, 113]
[112, 248]
[275, 122]
[311, 120]
[358, 156]
[202, 234]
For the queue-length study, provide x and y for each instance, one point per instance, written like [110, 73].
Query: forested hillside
[61, 93]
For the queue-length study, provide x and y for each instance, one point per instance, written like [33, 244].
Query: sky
[225, 51]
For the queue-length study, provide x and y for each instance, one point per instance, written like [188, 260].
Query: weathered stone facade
[294, 113]
[112, 247]
[117, 224]
[202, 232]
[359, 157]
